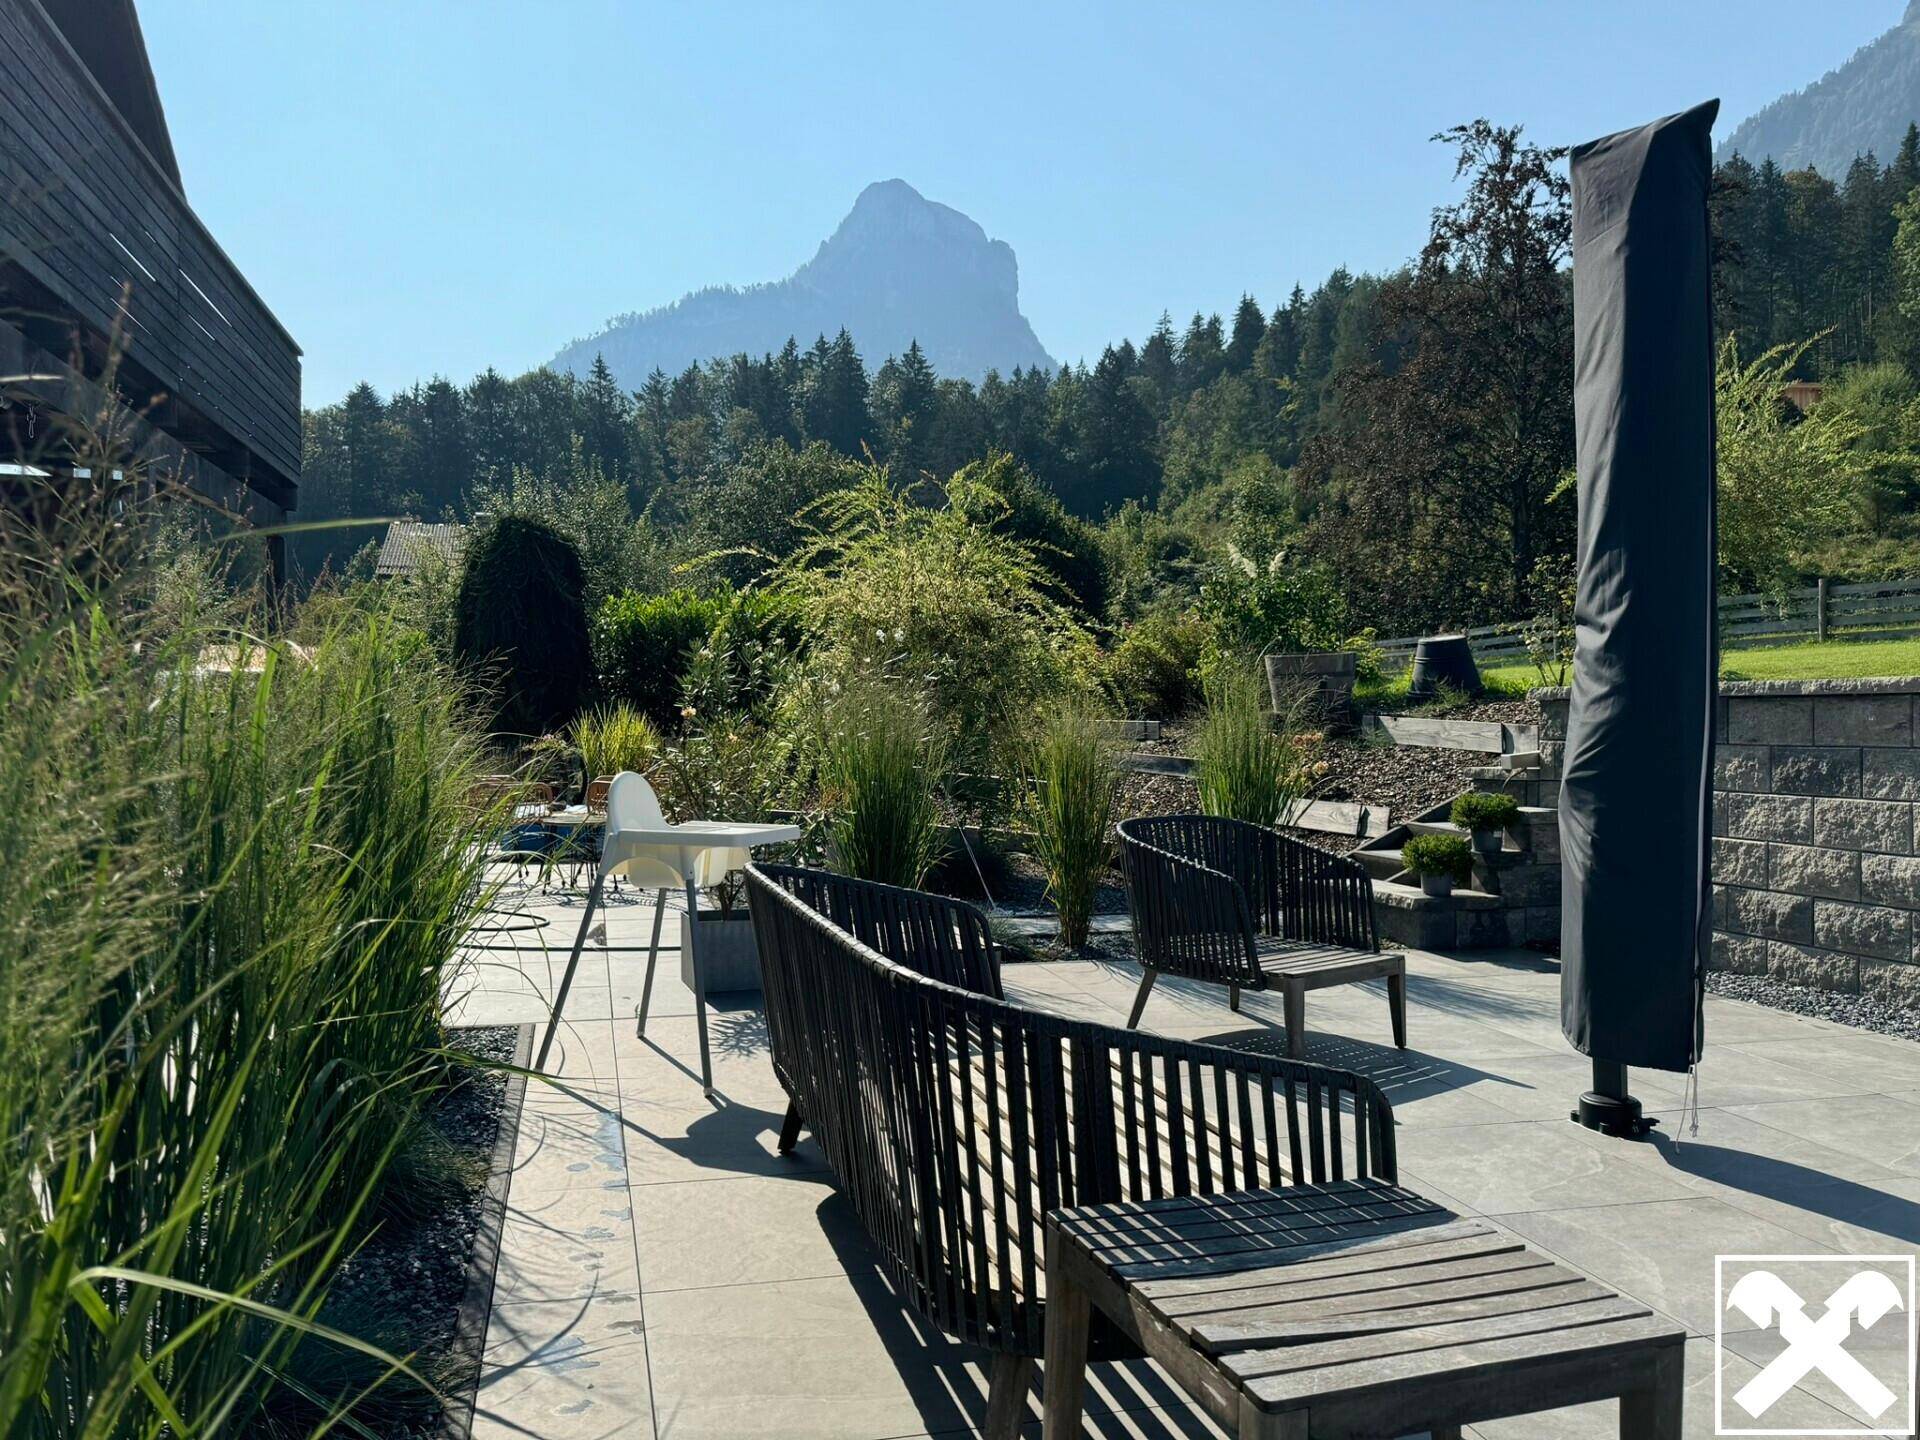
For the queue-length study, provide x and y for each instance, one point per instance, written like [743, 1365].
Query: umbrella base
[1608, 1107]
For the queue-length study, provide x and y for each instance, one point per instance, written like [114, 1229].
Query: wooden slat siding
[954, 1119]
[73, 185]
[1481, 736]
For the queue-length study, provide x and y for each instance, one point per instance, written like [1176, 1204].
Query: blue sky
[422, 186]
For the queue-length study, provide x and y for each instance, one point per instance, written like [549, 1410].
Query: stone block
[1809, 870]
[1719, 907]
[1740, 862]
[1883, 825]
[1863, 720]
[1803, 965]
[1862, 929]
[1482, 929]
[1770, 915]
[1742, 767]
[1541, 924]
[1786, 818]
[1816, 770]
[1770, 720]
[1890, 880]
[1553, 719]
[1890, 774]
[1894, 980]
[1720, 719]
[1740, 954]
[1526, 885]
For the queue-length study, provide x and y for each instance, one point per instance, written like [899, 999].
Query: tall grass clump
[238, 875]
[1249, 764]
[1071, 788]
[880, 779]
[615, 738]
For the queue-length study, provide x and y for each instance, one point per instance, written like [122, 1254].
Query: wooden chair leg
[1140, 998]
[653, 958]
[1296, 1020]
[1007, 1396]
[1657, 1411]
[1397, 1003]
[1064, 1380]
[1233, 998]
[790, 1129]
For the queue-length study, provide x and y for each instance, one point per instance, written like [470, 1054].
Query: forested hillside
[1408, 434]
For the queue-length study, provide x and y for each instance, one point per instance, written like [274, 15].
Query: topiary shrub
[1439, 855]
[520, 616]
[644, 644]
[1479, 811]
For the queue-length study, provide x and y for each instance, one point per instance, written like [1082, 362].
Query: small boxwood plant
[1439, 855]
[1477, 810]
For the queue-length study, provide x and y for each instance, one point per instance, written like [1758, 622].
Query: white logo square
[1847, 1323]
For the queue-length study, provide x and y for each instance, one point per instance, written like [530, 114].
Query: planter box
[728, 956]
[1321, 684]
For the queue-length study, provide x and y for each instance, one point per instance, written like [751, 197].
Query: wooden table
[1356, 1309]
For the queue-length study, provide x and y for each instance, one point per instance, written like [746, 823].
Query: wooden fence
[1885, 609]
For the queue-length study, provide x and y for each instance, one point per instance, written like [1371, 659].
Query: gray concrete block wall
[1816, 860]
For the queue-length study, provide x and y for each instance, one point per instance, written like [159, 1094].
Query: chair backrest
[596, 796]
[631, 802]
[954, 1120]
[1184, 873]
[944, 939]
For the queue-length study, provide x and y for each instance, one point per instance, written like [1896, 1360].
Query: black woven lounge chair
[955, 1120]
[1243, 906]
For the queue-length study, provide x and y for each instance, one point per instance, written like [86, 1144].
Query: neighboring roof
[105, 34]
[409, 542]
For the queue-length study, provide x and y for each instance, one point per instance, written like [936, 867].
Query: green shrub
[520, 618]
[1439, 855]
[1153, 668]
[1245, 767]
[1477, 810]
[643, 646]
[1071, 784]
[881, 775]
[1270, 607]
[614, 738]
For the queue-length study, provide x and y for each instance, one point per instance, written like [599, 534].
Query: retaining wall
[1815, 867]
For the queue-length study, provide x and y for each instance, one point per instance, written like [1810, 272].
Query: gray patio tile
[1876, 1128]
[836, 1357]
[1660, 1253]
[1601, 1421]
[687, 1138]
[579, 1148]
[1865, 1062]
[1740, 1022]
[571, 1370]
[663, 1066]
[1536, 1165]
[746, 1231]
[1856, 1217]
[566, 1244]
[1735, 1148]
[1737, 1075]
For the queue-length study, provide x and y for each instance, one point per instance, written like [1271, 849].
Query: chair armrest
[1188, 918]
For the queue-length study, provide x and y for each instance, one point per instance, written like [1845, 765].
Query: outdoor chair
[955, 1120]
[1243, 906]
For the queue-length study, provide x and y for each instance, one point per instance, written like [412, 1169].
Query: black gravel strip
[1862, 1012]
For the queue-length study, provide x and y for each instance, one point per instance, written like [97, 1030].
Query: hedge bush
[520, 618]
[643, 645]
[1439, 855]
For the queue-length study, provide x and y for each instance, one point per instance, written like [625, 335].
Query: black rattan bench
[1243, 906]
[955, 1120]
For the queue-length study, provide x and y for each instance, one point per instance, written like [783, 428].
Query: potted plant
[1487, 816]
[1441, 862]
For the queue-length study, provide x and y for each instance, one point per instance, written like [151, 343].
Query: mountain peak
[898, 268]
[1864, 105]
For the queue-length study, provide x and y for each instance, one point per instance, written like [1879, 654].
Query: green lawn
[1835, 660]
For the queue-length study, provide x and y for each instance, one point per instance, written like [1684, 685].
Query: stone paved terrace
[665, 1273]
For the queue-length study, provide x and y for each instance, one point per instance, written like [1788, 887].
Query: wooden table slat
[1411, 1256]
[1134, 1274]
[1375, 1289]
[1223, 1337]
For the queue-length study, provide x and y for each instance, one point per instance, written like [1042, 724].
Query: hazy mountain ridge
[898, 268]
[1865, 104]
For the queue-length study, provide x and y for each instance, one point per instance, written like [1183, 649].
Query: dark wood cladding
[101, 251]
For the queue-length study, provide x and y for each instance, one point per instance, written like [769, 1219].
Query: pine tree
[1248, 326]
[606, 421]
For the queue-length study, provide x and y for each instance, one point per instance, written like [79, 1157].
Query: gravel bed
[1862, 1012]
[403, 1287]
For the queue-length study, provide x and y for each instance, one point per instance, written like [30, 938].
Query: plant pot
[1322, 685]
[1489, 842]
[729, 959]
[1439, 887]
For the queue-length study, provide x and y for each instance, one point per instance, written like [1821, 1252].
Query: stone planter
[729, 959]
[1439, 887]
[1320, 684]
[1489, 842]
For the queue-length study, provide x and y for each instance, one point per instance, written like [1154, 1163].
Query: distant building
[410, 542]
[1803, 395]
